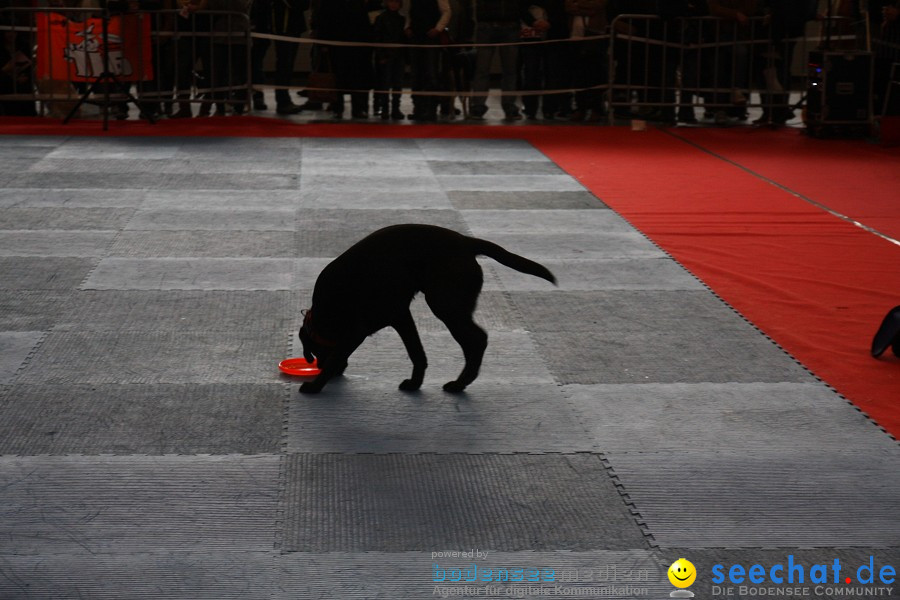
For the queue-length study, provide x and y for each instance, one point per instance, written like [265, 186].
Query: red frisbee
[299, 367]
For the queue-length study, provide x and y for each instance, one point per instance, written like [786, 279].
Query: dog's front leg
[333, 366]
[406, 327]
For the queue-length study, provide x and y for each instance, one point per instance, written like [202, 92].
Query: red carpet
[854, 178]
[816, 284]
[721, 203]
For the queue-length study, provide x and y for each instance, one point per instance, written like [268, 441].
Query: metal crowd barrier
[665, 68]
[167, 60]
[648, 67]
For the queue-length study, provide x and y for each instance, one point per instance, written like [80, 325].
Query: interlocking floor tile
[186, 166]
[456, 149]
[579, 246]
[239, 149]
[15, 346]
[142, 419]
[221, 200]
[66, 218]
[70, 198]
[371, 199]
[351, 221]
[252, 183]
[659, 273]
[651, 337]
[506, 183]
[151, 358]
[764, 499]
[263, 312]
[138, 504]
[329, 166]
[511, 358]
[449, 168]
[31, 153]
[109, 148]
[490, 417]
[43, 273]
[486, 222]
[396, 502]
[192, 274]
[523, 200]
[172, 575]
[353, 149]
[36, 310]
[615, 574]
[55, 242]
[681, 417]
[213, 220]
[313, 184]
[204, 244]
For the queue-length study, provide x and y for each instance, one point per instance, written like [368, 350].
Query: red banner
[73, 50]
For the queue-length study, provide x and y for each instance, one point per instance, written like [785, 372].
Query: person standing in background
[278, 17]
[787, 20]
[426, 22]
[590, 58]
[884, 16]
[348, 21]
[498, 22]
[389, 28]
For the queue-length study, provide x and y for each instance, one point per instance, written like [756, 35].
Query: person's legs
[509, 64]
[285, 56]
[484, 56]
[396, 69]
[532, 77]
[257, 56]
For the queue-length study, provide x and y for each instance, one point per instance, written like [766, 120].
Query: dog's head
[314, 345]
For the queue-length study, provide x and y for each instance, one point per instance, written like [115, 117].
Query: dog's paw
[310, 387]
[454, 387]
[409, 385]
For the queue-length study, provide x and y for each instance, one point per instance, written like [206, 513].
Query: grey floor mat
[150, 448]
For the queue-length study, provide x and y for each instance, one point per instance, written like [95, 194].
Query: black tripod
[106, 77]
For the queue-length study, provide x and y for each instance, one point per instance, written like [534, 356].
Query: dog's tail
[513, 261]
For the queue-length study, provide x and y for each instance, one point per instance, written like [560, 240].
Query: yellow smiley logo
[682, 573]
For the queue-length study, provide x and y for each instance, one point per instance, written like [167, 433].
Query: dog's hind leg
[473, 341]
[406, 327]
[453, 302]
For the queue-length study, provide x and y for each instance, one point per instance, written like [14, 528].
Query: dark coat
[281, 17]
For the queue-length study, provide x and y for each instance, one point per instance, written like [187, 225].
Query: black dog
[371, 285]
